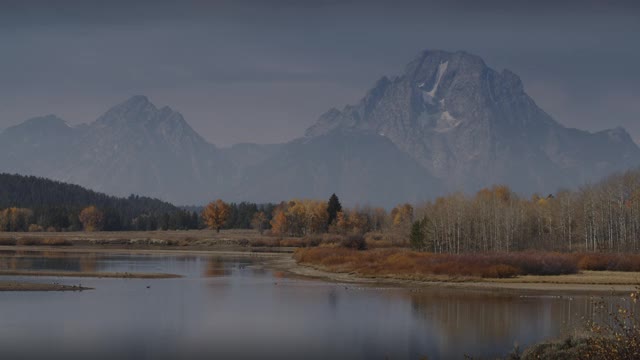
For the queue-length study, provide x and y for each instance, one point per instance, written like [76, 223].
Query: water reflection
[227, 308]
[46, 260]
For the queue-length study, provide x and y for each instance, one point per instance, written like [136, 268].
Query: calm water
[226, 308]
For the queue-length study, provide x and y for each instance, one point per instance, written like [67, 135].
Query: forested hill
[32, 191]
[57, 204]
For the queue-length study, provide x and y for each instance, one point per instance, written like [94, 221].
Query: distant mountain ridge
[472, 126]
[448, 122]
[133, 148]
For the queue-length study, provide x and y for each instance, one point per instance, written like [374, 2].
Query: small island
[27, 286]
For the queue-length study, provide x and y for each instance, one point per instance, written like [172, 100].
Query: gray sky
[262, 71]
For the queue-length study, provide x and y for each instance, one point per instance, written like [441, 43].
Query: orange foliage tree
[92, 218]
[279, 223]
[215, 214]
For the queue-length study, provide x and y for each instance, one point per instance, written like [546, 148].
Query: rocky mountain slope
[133, 148]
[471, 126]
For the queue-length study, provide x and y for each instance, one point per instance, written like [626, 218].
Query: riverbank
[585, 282]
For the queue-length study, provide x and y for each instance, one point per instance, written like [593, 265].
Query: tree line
[30, 203]
[600, 217]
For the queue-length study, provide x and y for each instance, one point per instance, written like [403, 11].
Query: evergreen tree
[333, 208]
[417, 238]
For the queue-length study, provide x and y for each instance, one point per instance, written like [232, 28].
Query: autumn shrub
[356, 242]
[55, 242]
[295, 242]
[597, 262]
[610, 262]
[314, 241]
[627, 262]
[567, 349]
[411, 264]
[265, 242]
[499, 271]
[8, 241]
[29, 241]
[614, 334]
[241, 242]
[118, 241]
[378, 240]
[332, 239]
[189, 241]
[307, 241]
[541, 263]
[34, 241]
[618, 335]
[35, 228]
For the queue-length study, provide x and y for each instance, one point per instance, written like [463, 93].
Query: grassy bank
[406, 264]
[186, 239]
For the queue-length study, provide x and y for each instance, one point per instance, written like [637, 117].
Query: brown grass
[611, 262]
[376, 240]
[6, 241]
[34, 241]
[409, 264]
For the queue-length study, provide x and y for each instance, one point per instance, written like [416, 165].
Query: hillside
[56, 204]
[134, 147]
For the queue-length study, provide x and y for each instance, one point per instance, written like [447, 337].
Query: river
[230, 307]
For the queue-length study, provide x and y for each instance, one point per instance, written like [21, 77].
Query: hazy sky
[262, 71]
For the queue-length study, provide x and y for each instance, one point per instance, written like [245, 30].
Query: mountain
[472, 126]
[133, 148]
[363, 168]
[447, 122]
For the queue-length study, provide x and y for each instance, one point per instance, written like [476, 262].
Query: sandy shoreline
[596, 282]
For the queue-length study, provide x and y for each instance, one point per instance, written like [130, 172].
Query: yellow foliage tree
[402, 215]
[14, 219]
[91, 218]
[318, 217]
[342, 222]
[215, 214]
[259, 221]
[300, 217]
